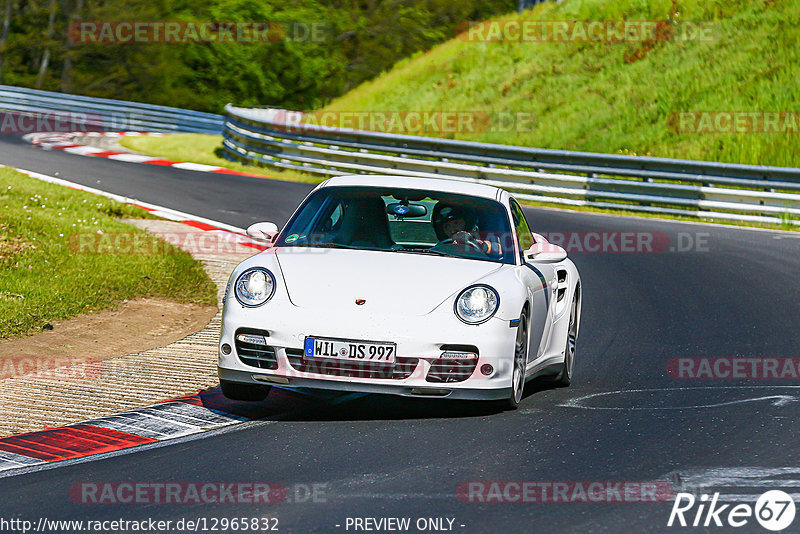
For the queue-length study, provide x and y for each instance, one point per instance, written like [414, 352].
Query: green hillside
[622, 96]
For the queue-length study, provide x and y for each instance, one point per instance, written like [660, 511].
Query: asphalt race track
[625, 418]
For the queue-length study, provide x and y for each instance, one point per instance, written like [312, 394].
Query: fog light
[251, 339]
[487, 369]
[453, 355]
[226, 349]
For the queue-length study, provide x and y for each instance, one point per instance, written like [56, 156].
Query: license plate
[360, 351]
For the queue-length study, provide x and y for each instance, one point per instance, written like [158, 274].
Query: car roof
[412, 182]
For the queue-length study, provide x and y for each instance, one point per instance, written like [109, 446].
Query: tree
[4, 34]
[45, 62]
[73, 17]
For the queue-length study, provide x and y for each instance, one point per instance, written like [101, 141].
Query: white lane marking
[10, 460]
[142, 425]
[195, 166]
[152, 426]
[190, 414]
[777, 400]
[83, 150]
[167, 215]
[127, 200]
[59, 144]
[133, 158]
[165, 420]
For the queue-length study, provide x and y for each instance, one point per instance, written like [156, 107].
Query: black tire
[564, 378]
[520, 362]
[244, 392]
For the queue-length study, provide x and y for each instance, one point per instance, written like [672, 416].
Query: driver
[451, 223]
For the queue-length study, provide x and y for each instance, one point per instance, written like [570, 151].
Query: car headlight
[477, 304]
[254, 287]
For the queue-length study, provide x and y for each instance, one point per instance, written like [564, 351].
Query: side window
[330, 222]
[336, 216]
[524, 237]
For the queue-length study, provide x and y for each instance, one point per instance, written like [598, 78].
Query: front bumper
[429, 391]
[420, 338]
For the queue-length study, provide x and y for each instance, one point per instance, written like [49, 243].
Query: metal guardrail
[753, 193]
[82, 113]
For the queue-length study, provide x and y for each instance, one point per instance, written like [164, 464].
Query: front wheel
[243, 392]
[520, 363]
[564, 378]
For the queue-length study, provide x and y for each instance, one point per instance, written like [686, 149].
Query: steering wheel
[467, 240]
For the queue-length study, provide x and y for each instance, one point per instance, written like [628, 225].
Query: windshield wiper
[422, 251]
[330, 245]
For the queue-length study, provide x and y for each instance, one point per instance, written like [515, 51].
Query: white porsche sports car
[408, 286]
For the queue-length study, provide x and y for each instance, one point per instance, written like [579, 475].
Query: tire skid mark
[778, 400]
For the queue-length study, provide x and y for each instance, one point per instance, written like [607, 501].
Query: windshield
[402, 220]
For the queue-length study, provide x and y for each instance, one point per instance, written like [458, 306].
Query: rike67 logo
[774, 510]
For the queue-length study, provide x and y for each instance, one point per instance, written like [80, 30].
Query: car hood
[398, 283]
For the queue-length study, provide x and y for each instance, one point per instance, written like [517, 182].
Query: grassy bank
[44, 274]
[616, 96]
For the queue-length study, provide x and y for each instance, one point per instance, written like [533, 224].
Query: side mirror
[263, 231]
[543, 251]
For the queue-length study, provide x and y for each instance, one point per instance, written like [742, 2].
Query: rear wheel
[564, 378]
[244, 392]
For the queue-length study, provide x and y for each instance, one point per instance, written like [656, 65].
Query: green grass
[587, 97]
[42, 276]
[205, 148]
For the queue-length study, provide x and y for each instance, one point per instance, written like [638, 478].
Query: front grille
[401, 369]
[255, 354]
[451, 370]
